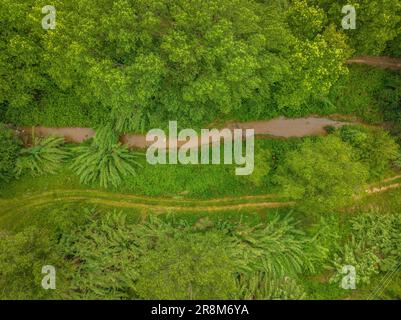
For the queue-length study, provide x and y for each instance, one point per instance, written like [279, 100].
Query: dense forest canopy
[118, 227]
[136, 63]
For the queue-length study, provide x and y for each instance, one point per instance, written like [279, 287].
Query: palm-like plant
[261, 286]
[45, 156]
[105, 160]
[276, 249]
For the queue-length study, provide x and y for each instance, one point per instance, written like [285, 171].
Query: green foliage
[45, 156]
[22, 257]
[378, 22]
[371, 94]
[305, 19]
[188, 266]
[9, 147]
[263, 159]
[261, 287]
[354, 254]
[190, 61]
[104, 161]
[380, 234]
[174, 259]
[108, 253]
[21, 79]
[374, 147]
[150, 261]
[275, 248]
[323, 174]
[373, 247]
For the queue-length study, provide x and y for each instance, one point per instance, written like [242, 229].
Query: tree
[323, 174]
[9, 147]
[377, 22]
[135, 64]
[104, 160]
[374, 147]
[22, 80]
[45, 156]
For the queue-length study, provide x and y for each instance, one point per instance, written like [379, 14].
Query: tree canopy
[324, 174]
[136, 63]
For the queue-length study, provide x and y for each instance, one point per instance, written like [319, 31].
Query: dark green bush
[9, 148]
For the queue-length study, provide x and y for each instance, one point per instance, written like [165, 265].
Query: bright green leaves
[152, 61]
[45, 156]
[377, 23]
[306, 20]
[9, 147]
[105, 161]
[324, 174]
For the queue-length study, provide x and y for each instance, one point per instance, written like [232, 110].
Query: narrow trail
[159, 204]
[378, 62]
[139, 202]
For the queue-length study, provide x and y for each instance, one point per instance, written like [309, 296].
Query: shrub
[324, 174]
[45, 156]
[104, 161]
[22, 257]
[374, 147]
[9, 147]
[173, 259]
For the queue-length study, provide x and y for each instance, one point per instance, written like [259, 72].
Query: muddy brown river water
[279, 127]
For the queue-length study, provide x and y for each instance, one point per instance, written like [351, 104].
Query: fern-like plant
[45, 156]
[276, 249]
[104, 161]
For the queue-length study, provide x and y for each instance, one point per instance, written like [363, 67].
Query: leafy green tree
[104, 161]
[45, 156]
[378, 22]
[374, 147]
[21, 74]
[354, 254]
[379, 233]
[136, 63]
[305, 19]
[9, 147]
[323, 174]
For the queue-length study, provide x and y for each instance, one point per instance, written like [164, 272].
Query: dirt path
[378, 62]
[280, 128]
[157, 204]
[383, 189]
[140, 202]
